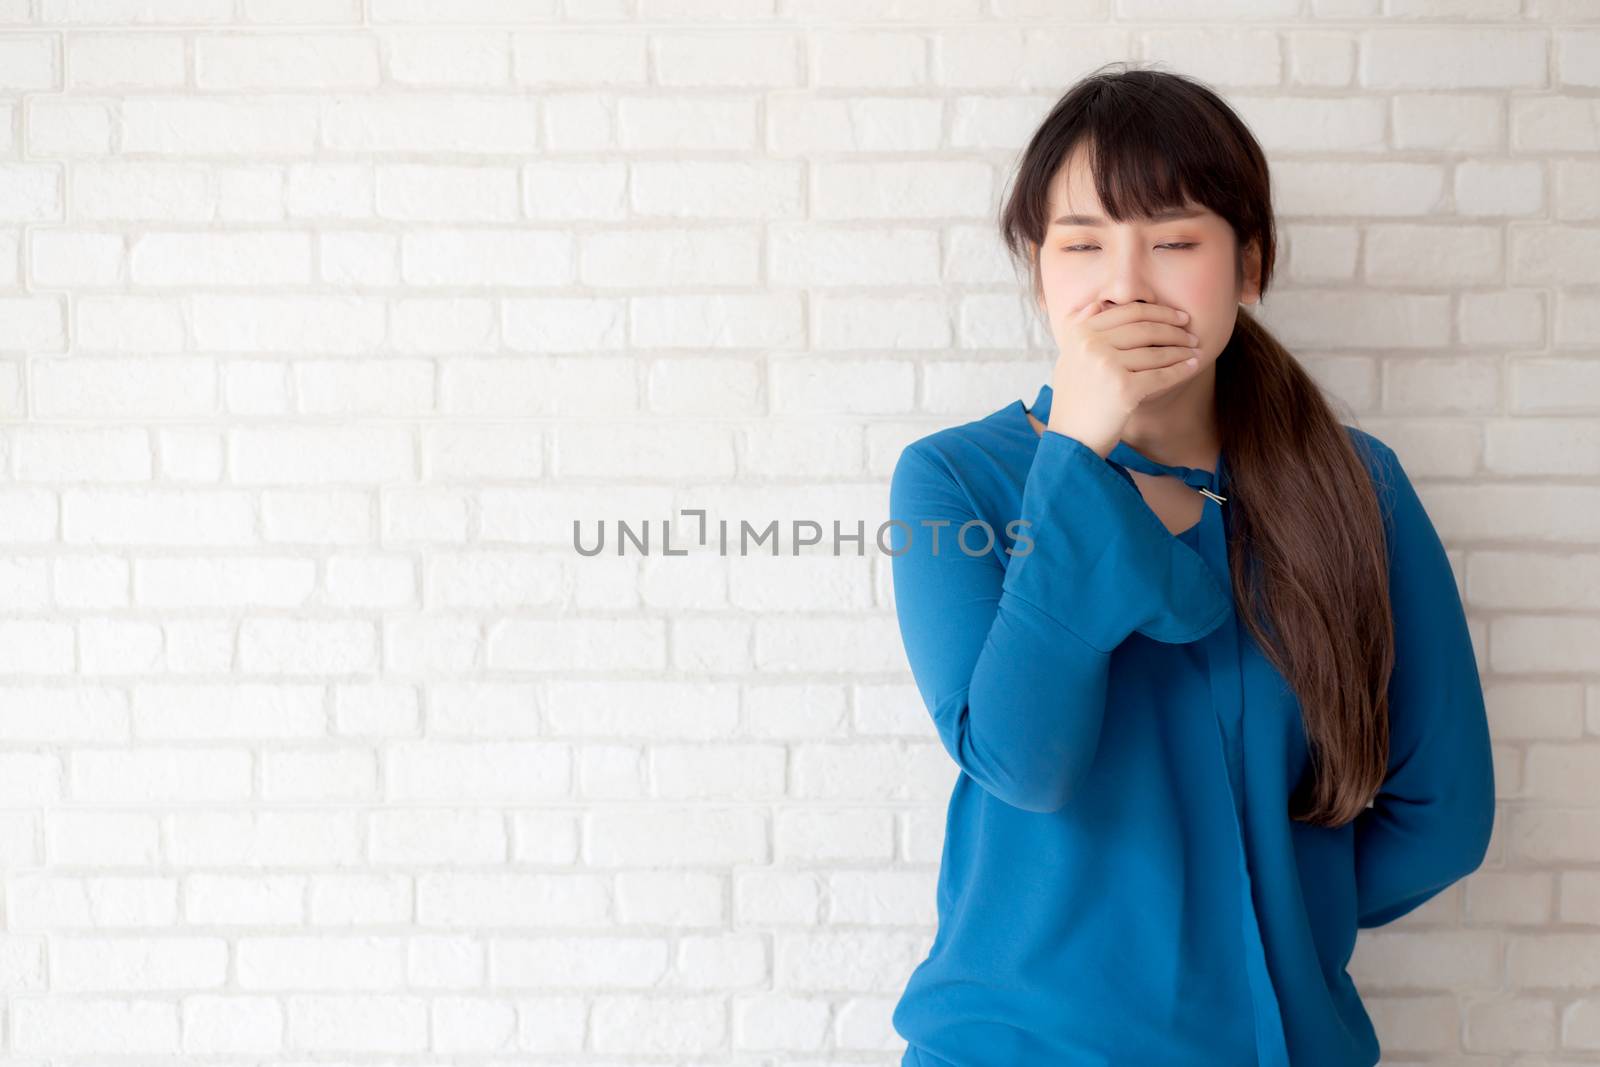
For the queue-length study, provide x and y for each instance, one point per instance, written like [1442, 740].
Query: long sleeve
[1011, 658]
[1430, 822]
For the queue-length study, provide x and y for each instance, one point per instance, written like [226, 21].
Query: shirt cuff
[1101, 563]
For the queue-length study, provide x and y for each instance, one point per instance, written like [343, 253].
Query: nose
[1109, 303]
[1126, 286]
[1125, 278]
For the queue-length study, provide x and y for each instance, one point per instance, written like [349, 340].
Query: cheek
[1211, 304]
[1054, 272]
[1196, 291]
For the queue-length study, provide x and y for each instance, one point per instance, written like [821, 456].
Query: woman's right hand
[1109, 361]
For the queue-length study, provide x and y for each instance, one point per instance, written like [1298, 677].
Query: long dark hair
[1306, 538]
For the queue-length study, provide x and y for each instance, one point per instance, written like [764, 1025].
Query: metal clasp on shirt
[1209, 493]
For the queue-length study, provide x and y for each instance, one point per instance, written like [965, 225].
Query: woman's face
[1185, 263]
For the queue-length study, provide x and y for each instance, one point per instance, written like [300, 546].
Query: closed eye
[1173, 244]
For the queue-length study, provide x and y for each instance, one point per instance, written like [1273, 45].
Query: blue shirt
[1121, 883]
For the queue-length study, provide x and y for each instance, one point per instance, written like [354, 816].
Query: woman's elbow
[1040, 786]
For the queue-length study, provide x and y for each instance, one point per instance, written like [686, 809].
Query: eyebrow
[1171, 214]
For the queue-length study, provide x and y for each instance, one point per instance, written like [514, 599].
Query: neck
[1179, 428]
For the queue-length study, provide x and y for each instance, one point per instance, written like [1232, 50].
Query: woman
[1211, 690]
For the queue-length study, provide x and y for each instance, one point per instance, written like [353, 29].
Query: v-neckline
[1127, 456]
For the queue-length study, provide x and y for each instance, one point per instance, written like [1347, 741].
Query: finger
[1080, 315]
[1141, 311]
[1088, 311]
[1148, 333]
[1155, 357]
[1158, 378]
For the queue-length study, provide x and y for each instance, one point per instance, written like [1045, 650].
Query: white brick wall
[319, 322]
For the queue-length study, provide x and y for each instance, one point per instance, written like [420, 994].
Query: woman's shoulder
[1379, 458]
[1367, 443]
[982, 462]
[967, 447]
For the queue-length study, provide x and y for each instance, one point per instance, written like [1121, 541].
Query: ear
[1033, 258]
[1250, 290]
